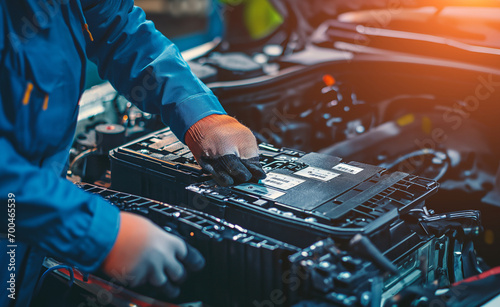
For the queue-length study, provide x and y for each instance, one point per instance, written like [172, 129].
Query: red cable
[491, 272]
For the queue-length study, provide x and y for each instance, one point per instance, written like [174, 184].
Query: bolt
[344, 275]
[324, 264]
[346, 258]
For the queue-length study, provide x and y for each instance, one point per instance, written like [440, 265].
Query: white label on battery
[260, 190]
[347, 168]
[316, 173]
[280, 181]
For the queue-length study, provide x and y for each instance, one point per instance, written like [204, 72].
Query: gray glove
[145, 253]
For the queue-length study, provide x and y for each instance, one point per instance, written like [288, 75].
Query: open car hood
[462, 30]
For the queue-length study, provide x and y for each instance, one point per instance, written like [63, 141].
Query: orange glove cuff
[209, 125]
[218, 135]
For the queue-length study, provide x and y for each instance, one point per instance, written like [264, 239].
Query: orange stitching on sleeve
[86, 28]
[27, 93]
[45, 102]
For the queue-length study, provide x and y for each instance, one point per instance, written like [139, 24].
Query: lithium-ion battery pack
[311, 196]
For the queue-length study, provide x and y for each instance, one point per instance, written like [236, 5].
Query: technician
[44, 45]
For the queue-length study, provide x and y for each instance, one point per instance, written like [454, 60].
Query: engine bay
[409, 119]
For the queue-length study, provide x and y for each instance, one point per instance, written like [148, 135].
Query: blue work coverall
[43, 50]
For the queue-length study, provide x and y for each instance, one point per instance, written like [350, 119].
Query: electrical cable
[421, 152]
[48, 271]
[80, 157]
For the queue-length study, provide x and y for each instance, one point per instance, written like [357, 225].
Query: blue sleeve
[53, 214]
[48, 211]
[144, 65]
[1, 33]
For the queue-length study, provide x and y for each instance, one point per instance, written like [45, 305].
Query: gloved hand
[144, 253]
[226, 149]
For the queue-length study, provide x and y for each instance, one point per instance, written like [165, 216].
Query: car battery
[241, 265]
[308, 196]
[157, 166]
